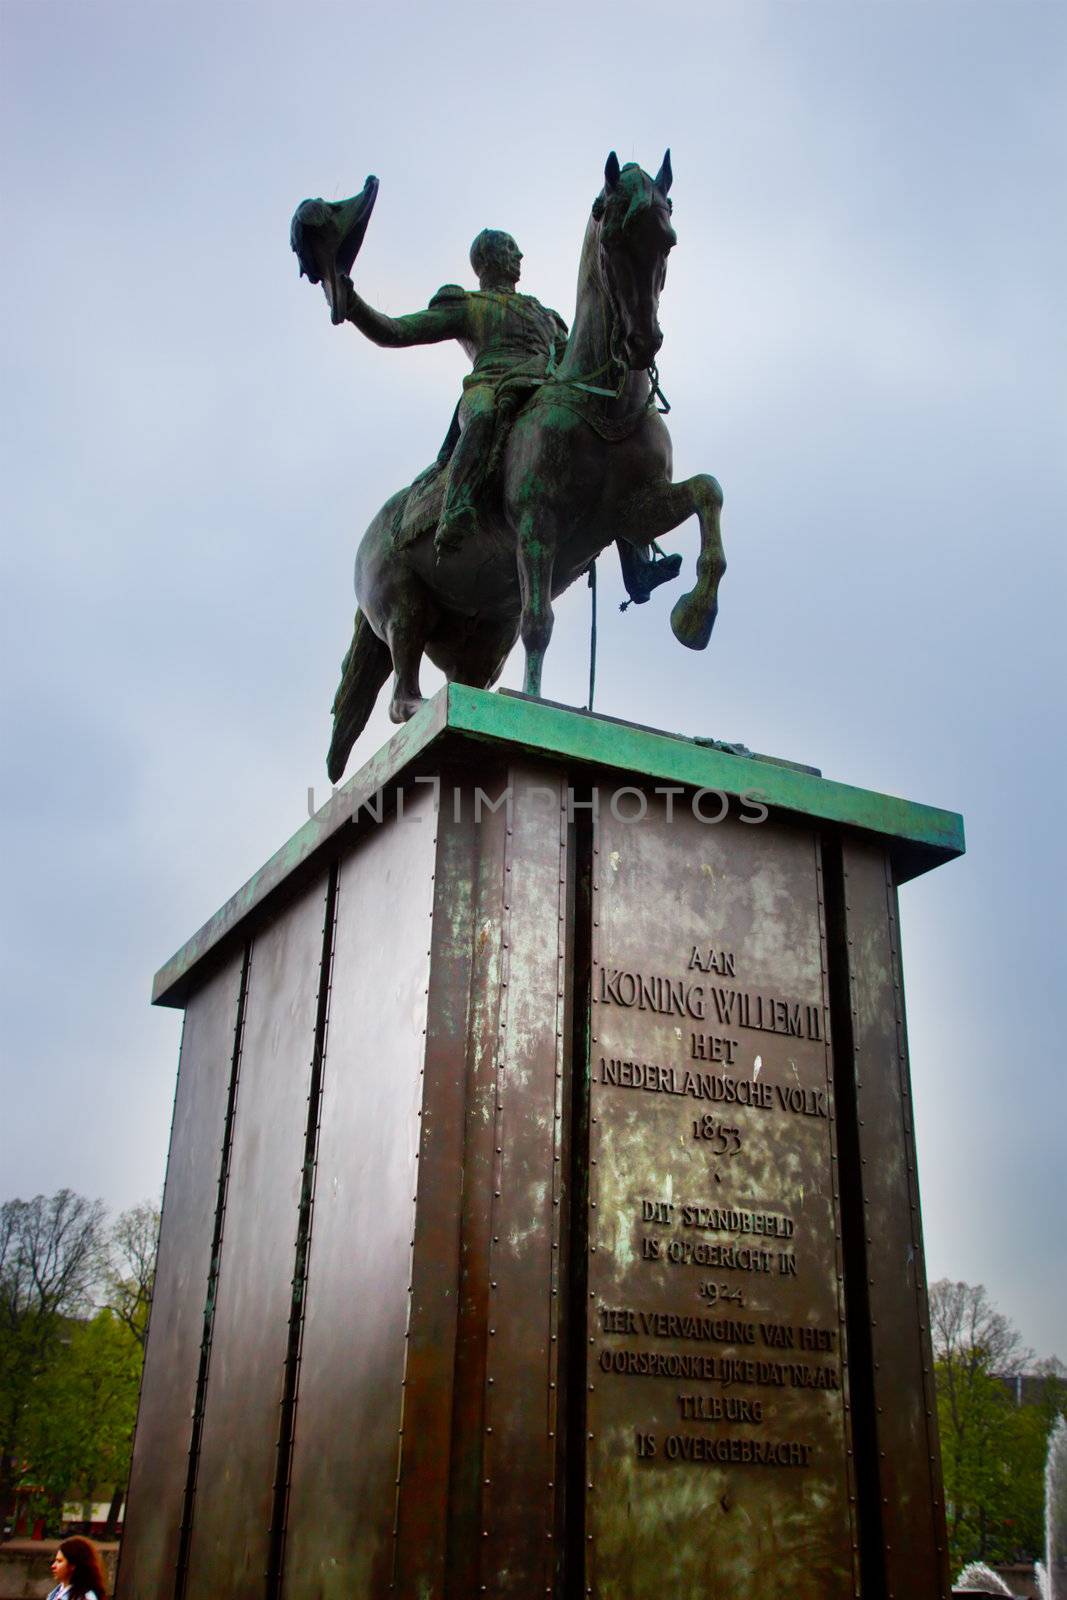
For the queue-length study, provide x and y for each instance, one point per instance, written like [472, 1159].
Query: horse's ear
[664, 177]
[611, 171]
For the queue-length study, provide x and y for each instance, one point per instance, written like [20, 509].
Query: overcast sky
[865, 335]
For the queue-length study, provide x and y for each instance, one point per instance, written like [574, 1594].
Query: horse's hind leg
[662, 507]
[411, 619]
[475, 657]
[397, 604]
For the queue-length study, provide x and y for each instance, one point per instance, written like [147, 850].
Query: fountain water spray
[977, 1578]
[1052, 1572]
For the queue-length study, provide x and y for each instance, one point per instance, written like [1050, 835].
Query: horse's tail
[363, 671]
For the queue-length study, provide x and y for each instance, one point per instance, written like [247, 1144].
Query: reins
[614, 360]
[586, 384]
[653, 378]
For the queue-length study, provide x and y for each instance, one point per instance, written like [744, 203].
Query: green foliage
[993, 1449]
[50, 1253]
[78, 1434]
[74, 1302]
[991, 1503]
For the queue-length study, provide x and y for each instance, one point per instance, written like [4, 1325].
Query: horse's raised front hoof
[402, 707]
[692, 621]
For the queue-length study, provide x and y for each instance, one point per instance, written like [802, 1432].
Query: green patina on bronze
[937, 835]
[557, 449]
[920, 837]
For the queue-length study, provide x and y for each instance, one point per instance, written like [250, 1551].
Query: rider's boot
[642, 572]
[466, 473]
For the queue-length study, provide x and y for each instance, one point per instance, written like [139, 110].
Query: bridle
[614, 363]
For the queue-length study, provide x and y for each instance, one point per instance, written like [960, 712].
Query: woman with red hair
[78, 1571]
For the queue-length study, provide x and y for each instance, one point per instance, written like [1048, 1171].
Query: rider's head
[496, 258]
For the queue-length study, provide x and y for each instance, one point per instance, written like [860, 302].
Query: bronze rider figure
[508, 336]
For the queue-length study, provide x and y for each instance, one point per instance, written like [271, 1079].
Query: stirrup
[661, 569]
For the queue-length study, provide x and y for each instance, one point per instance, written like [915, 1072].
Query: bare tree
[969, 1333]
[49, 1255]
[50, 1261]
[129, 1279]
[130, 1273]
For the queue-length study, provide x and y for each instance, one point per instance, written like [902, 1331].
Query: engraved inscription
[734, 1008]
[745, 1452]
[720, 1293]
[721, 1140]
[726, 1257]
[722, 962]
[715, 1366]
[755, 1243]
[722, 1219]
[655, 1078]
[716, 1330]
[717, 1219]
[717, 1369]
[712, 1408]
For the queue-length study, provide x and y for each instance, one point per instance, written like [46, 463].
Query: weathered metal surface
[521, 1370]
[349, 1415]
[910, 1561]
[444, 1182]
[231, 1515]
[481, 1382]
[476, 1491]
[919, 837]
[922, 836]
[164, 1425]
[465, 1464]
[488, 1393]
[717, 1430]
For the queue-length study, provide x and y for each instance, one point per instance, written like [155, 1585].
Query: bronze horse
[587, 461]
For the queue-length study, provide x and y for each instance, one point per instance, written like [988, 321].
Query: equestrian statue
[557, 449]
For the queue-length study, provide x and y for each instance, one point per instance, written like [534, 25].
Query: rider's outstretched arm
[444, 320]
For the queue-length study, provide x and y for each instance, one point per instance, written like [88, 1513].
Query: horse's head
[634, 214]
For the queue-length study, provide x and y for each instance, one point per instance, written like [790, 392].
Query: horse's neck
[587, 356]
[588, 346]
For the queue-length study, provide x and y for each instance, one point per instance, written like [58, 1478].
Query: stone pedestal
[541, 1214]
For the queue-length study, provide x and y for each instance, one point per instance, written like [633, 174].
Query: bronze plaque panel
[172, 1358]
[907, 1460]
[717, 1424]
[232, 1509]
[349, 1413]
